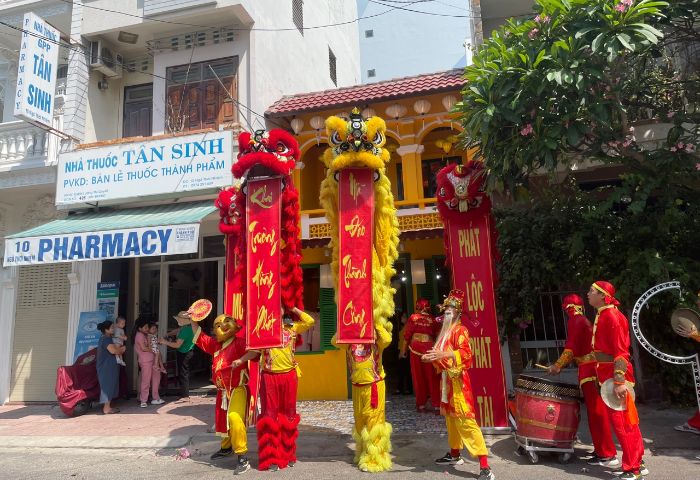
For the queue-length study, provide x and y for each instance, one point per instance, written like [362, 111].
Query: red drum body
[547, 412]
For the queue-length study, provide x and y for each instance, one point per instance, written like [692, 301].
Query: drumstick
[541, 366]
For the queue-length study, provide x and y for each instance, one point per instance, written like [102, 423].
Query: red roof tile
[372, 92]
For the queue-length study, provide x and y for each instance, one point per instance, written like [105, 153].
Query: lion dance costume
[269, 154]
[358, 143]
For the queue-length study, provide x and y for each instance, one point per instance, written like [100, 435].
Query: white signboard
[127, 243]
[36, 73]
[155, 167]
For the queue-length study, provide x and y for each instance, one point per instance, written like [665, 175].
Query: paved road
[319, 459]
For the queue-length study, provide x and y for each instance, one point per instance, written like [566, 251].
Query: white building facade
[155, 69]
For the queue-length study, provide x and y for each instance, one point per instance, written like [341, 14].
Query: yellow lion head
[356, 142]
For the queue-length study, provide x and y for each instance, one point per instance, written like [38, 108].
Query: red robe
[420, 333]
[224, 376]
[457, 399]
[578, 342]
[611, 337]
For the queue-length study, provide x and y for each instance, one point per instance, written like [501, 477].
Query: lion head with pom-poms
[358, 142]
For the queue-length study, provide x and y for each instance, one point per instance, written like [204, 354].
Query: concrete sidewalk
[325, 427]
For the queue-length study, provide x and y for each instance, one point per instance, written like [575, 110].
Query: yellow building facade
[422, 133]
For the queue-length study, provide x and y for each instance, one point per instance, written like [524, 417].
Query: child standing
[119, 337]
[153, 339]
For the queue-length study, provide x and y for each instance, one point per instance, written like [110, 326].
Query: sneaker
[604, 461]
[158, 401]
[273, 468]
[242, 466]
[292, 463]
[223, 452]
[629, 475]
[486, 474]
[449, 460]
[144, 404]
[643, 470]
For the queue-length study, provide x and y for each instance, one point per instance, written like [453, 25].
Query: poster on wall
[134, 170]
[88, 336]
[37, 70]
[108, 299]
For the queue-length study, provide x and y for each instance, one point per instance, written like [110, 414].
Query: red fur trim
[268, 431]
[289, 433]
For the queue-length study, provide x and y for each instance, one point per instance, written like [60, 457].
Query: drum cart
[545, 415]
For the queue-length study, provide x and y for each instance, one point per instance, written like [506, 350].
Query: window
[430, 168]
[371, 73]
[331, 66]
[298, 15]
[201, 95]
[369, 33]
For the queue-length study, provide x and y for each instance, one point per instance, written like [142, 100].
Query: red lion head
[461, 188]
[266, 153]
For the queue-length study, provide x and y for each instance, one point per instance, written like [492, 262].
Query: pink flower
[689, 148]
[623, 5]
[533, 33]
[673, 148]
[697, 166]
[541, 19]
[670, 114]
[627, 143]
[620, 7]
[526, 130]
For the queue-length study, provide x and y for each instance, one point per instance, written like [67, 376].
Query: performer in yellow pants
[237, 408]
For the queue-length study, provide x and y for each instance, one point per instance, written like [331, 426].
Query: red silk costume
[578, 349]
[611, 342]
[457, 399]
[420, 333]
[225, 377]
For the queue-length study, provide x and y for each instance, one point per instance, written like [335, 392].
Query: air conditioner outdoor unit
[105, 60]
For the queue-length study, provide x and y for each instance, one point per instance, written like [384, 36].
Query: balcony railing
[23, 145]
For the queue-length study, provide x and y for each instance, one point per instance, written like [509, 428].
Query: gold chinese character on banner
[353, 317]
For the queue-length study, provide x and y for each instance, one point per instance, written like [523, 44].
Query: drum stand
[531, 447]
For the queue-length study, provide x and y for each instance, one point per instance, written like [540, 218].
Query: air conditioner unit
[105, 60]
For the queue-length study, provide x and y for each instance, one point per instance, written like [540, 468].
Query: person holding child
[150, 373]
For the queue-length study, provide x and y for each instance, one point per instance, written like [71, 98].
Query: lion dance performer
[611, 344]
[578, 349]
[267, 155]
[230, 376]
[357, 144]
[452, 356]
[420, 334]
[278, 423]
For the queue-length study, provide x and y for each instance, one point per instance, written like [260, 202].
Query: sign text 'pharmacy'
[127, 243]
[155, 167]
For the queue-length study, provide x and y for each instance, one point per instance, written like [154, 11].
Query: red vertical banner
[263, 299]
[233, 290]
[472, 271]
[356, 230]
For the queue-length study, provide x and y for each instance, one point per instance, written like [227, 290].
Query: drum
[547, 412]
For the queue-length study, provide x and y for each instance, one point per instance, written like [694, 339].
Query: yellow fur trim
[376, 445]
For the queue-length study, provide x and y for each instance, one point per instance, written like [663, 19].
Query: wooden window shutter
[328, 314]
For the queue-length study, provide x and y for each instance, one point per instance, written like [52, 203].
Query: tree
[569, 86]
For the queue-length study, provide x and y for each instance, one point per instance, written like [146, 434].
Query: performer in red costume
[229, 371]
[578, 349]
[452, 355]
[420, 334]
[693, 423]
[611, 344]
[277, 425]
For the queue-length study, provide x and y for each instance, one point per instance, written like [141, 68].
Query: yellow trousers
[237, 434]
[366, 416]
[465, 432]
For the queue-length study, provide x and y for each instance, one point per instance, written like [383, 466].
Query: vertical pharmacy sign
[37, 69]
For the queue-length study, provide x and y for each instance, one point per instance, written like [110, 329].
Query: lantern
[317, 123]
[297, 124]
[449, 101]
[396, 111]
[421, 106]
[368, 112]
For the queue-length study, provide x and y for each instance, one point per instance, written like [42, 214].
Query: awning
[134, 232]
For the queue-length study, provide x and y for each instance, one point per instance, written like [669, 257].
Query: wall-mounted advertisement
[37, 71]
[161, 166]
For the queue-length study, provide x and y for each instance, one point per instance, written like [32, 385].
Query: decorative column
[411, 156]
[8, 294]
[83, 298]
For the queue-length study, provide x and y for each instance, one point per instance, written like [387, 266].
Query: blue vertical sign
[108, 299]
[88, 336]
[37, 71]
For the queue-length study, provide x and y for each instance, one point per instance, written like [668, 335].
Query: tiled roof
[372, 92]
